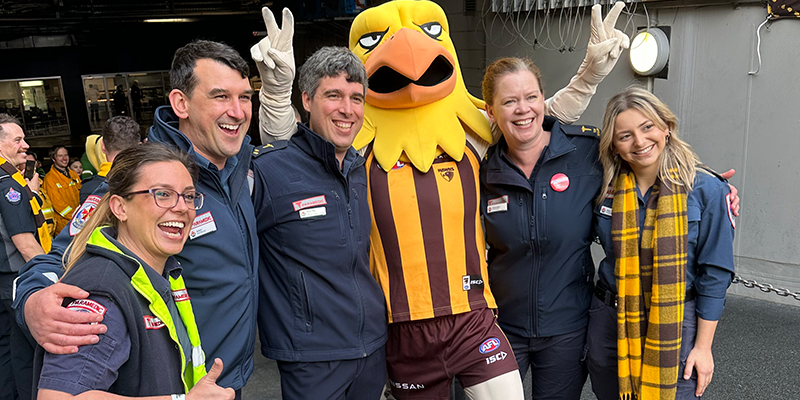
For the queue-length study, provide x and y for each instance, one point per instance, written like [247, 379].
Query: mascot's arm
[274, 57]
[481, 146]
[605, 46]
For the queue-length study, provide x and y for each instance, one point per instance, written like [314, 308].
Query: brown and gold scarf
[651, 287]
[41, 227]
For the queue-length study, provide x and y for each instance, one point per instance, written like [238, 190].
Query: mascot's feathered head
[417, 103]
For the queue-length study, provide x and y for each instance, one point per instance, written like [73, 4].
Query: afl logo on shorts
[489, 345]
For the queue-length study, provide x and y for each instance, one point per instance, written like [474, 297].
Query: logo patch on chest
[447, 173]
[309, 202]
[180, 295]
[151, 322]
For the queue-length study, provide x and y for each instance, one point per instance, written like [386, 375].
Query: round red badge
[559, 182]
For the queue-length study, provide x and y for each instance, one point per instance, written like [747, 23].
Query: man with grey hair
[322, 315]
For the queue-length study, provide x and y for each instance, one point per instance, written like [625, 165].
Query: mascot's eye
[432, 29]
[371, 40]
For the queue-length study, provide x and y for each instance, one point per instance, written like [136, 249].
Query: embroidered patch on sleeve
[86, 305]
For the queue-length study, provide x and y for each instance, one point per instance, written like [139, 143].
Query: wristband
[178, 397]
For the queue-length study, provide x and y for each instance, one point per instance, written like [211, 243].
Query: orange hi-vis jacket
[64, 195]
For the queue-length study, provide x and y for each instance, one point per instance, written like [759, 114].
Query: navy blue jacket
[540, 265]
[318, 300]
[219, 267]
[709, 258]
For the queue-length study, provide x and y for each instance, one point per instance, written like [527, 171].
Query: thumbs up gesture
[206, 387]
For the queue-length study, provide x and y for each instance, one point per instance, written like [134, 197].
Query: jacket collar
[165, 130]
[501, 170]
[103, 242]
[316, 146]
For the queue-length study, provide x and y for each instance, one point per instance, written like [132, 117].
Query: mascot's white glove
[274, 57]
[605, 46]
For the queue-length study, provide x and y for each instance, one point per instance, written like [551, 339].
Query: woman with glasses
[123, 258]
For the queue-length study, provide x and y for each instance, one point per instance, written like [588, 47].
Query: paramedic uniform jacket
[540, 230]
[317, 299]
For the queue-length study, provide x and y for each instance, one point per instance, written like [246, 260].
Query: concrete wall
[733, 120]
[468, 39]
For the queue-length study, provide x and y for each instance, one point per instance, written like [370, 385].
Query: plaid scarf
[651, 287]
[43, 233]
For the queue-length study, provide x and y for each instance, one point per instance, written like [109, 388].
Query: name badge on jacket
[499, 204]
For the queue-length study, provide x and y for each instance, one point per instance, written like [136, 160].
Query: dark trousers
[16, 357]
[362, 378]
[94, 111]
[602, 351]
[8, 390]
[557, 370]
[556, 363]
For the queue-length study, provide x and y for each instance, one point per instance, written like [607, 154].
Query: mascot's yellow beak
[417, 103]
[409, 70]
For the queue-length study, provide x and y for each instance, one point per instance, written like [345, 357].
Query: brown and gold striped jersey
[427, 245]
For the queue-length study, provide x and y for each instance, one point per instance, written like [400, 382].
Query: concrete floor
[756, 350]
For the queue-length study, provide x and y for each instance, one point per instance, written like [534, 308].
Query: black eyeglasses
[168, 198]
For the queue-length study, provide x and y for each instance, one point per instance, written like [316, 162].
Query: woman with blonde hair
[123, 257]
[666, 227]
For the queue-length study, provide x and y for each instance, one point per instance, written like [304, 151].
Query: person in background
[119, 133]
[63, 186]
[124, 258]
[136, 100]
[92, 157]
[666, 227]
[46, 206]
[33, 156]
[94, 103]
[75, 165]
[120, 101]
[24, 235]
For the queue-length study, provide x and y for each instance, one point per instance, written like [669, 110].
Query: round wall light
[649, 52]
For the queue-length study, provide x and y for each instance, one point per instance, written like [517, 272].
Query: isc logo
[489, 345]
[497, 357]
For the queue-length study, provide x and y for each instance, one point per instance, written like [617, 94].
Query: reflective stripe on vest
[141, 283]
[66, 211]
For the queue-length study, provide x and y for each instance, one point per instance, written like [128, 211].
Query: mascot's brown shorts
[424, 356]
